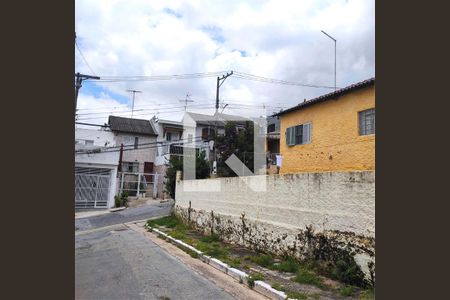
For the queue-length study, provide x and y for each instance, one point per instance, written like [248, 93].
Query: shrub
[252, 278]
[348, 272]
[264, 260]
[118, 201]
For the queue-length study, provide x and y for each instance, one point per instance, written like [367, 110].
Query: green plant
[252, 278]
[348, 272]
[296, 295]
[210, 238]
[213, 249]
[124, 197]
[308, 277]
[346, 291]
[234, 262]
[169, 221]
[264, 260]
[118, 201]
[288, 264]
[367, 295]
[176, 164]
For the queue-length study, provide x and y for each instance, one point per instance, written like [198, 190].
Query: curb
[260, 286]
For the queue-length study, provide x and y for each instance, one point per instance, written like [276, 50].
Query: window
[136, 142]
[207, 133]
[189, 138]
[89, 142]
[128, 140]
[298, 135]
[130, 167]
[168, 136]
[366, 121]
[271, 128]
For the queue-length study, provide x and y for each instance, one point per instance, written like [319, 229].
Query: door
[148, 168]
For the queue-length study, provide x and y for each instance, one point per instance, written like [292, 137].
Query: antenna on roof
[132, 104]
[186, 101]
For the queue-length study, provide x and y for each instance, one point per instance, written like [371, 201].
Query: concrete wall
[336, 206]
[335, 141]
[139, 155]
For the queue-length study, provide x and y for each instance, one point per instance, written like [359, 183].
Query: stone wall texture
[293, 212]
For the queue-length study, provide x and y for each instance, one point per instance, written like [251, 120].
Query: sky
[273, 39]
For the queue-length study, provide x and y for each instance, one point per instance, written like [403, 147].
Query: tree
[176, 164]
[237, 141]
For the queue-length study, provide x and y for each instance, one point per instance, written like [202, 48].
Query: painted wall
[335, 141]
[139, 155]
[337, 205]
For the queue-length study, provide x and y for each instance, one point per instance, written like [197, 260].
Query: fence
[136, 184]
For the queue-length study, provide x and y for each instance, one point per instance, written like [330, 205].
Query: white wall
[338, 204]
[100, 137]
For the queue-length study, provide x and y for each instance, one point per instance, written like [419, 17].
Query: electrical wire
[81, 53]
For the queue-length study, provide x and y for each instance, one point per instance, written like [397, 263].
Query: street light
[334, 56]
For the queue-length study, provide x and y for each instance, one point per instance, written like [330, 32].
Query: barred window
[367, 121]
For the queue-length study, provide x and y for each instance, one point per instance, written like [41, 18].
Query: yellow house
[333, 132]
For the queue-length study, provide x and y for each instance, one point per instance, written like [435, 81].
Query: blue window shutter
[306, 133]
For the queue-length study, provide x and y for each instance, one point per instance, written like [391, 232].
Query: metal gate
[92, 186]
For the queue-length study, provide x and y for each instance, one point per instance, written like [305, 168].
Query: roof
[129, 125]
[329, 96]
[170, 122]
[201, 119]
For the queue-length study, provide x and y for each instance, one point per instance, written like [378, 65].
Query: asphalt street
[123, 216]
[115, 262]
[119, 263]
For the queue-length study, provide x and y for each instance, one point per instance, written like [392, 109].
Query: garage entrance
[92, 186]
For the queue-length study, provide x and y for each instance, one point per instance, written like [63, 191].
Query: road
[123, 216]
[115, 262]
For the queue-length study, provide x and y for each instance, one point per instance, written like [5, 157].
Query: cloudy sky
[119, 40]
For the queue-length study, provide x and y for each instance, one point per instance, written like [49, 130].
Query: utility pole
[132, 104]
[216, 115]
[334, 56]
[78, 80]
[219, 84]
[186, 101]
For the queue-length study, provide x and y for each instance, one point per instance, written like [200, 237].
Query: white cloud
[277, 39]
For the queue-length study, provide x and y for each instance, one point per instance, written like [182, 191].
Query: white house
[95, 168]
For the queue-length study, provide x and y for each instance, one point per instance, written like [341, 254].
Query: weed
[296, 295]
[367, 295]
[348, 272]
[234, 262]
[289, 264]
[213, 249]
[264, 260]
[308, 277]
[180, 235]
[278, 286]
[192, 254]
[210, 238]
[169, 222]
[252, 278]
[346, 291]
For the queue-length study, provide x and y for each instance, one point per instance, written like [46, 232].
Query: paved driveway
[123, 216]
[118, 263]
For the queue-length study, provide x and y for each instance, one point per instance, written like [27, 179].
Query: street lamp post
[334, 56]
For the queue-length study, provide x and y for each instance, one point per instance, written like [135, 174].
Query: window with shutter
[298, 135]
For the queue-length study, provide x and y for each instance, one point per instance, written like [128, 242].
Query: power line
[81, 53]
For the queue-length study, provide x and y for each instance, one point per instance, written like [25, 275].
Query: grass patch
[346, 291]
[296, 295]
[367, 295]
[169, 222]
[213, 249]
[308, 277]
[234, 262]
[289, 264]
[278, 286]
[252, 278]
[210, 238]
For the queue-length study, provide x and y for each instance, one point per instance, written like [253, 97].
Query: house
[272, 141]
[169, 142]
[95, 168]
[333, 132]
[139, 136]
[139, 140]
